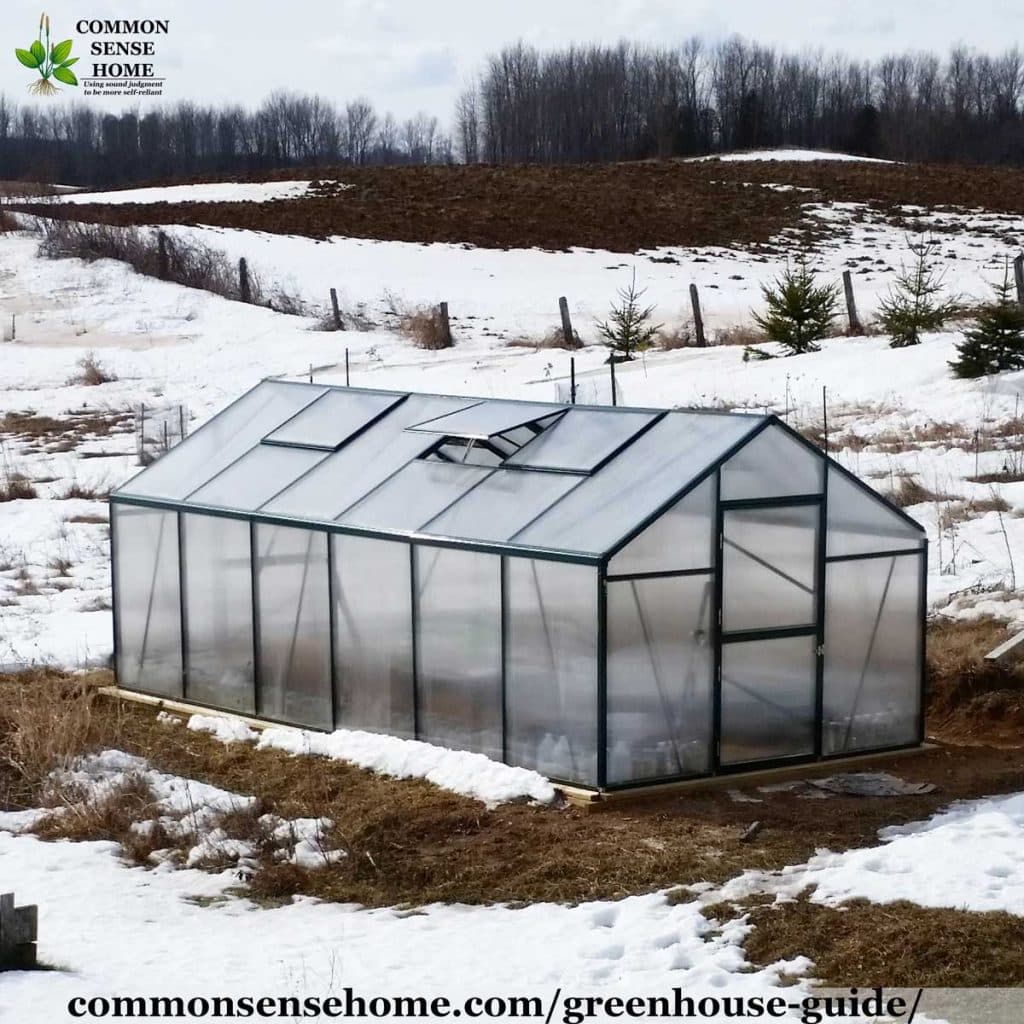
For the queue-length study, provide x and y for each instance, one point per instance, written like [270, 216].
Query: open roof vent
[486, 434]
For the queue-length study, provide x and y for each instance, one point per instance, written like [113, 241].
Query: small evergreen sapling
[914, 305]
[628, 328]
[799, 311]
[996, 341]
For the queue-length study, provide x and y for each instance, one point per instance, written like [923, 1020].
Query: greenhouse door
[769, 669]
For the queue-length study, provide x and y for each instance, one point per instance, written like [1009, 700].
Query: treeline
[628, 102]
[77, 144]
[591, 103]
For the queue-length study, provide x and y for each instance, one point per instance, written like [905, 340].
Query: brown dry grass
[555, 338]
[15, 486]
[91, 372]
[46, 721]
[740, 334]
[426, 329]
[906, 489]
[668, 339]
[895, 945]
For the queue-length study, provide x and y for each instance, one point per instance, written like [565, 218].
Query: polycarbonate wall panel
[772, 465]
[146, 588]
[872, 653]
[256, 477]
[859, 523]
[373, 635]
[660, 678]
[581, 439]
[414, 495]
[768, 698]
[366, 461]
[218, 443]
[486, 418]
[218, 612]
[458, 638]
[551, 668]
[682, 538]
[331, 420]
[502, 505]
[294, 621]
[769, 567]
[637, 482]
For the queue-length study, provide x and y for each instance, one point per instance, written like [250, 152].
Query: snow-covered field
[895, 412]
[795, 155]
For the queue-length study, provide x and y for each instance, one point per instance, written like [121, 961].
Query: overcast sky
[409, 56]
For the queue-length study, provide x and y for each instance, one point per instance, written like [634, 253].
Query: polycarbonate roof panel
[485, 419]
[581, 439]
[333, 418]
[414, 495]
[609, 505]
[256, 476]
[218, 443]
[350, 473]
[502, 505]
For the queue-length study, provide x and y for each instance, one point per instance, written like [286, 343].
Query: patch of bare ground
[893, 945]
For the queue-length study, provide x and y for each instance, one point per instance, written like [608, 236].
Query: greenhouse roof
[519, 476]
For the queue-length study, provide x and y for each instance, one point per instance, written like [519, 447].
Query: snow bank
[968, 857]
[459, 771]
[796, 155]
[212, 192]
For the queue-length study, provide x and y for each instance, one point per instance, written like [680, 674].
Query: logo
[50, 61]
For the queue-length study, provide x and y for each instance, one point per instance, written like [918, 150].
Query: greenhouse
[610, 596]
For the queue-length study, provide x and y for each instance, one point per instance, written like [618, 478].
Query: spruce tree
[628, 328]
[913, 305]
[996, 341]
[799, 311]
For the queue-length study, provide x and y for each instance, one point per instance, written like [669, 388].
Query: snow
[169, 345]
[212, 192]
[114, 930]
[796, 155]
[460, 771]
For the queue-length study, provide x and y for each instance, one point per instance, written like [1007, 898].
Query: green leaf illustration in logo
[61, 52]
[51, 61]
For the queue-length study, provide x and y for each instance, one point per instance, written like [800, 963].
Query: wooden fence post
[162, 268]
[19, 931]
[338, 324]
[568, 338]
[615, 397]
[243, 280]
[446, 327]
[698, 320]
[1018, 274]
[851, 305]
